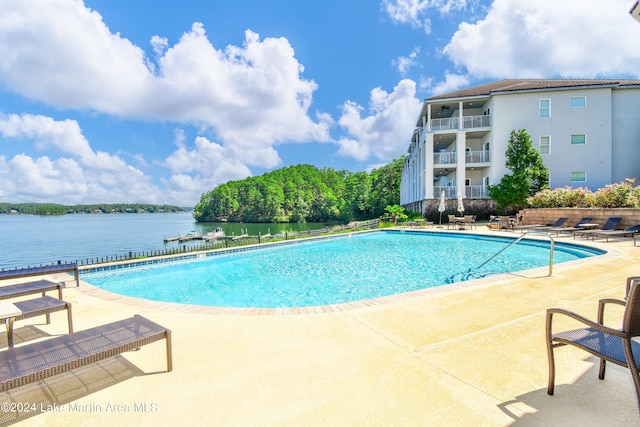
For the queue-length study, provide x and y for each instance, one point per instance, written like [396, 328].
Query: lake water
[29, 240]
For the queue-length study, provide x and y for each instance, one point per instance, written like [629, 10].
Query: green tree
[396, 212]
[529, 175]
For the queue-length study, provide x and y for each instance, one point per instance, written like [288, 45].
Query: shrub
[619, 195]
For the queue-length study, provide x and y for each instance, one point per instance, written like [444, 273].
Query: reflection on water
[27, 240]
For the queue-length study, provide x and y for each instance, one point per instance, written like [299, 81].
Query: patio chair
[611, 224]
[470, 221]
[613, 233]
[609, 344]
[452, 222]
[505, 223]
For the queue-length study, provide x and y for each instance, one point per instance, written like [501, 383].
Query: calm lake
[28, 240]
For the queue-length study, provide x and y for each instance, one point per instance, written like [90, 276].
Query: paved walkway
[469, 354]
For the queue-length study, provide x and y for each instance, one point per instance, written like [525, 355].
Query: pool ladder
[542, 233]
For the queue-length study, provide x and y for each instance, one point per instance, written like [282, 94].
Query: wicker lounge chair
[609, 344]
[30, 288]
[42, 359]
[629, 231]
[38, 307]
[610, 225]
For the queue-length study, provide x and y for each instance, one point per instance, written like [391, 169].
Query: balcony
[468, 122]
[444, 158]
[470, 192]
[478, 156]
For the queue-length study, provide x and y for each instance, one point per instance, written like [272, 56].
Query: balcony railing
[449, 192]
[476, 192]
[470, 192]
[444, 158]
[468, 122]
[478, 156]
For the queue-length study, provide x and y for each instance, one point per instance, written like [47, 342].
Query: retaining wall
[629, 216]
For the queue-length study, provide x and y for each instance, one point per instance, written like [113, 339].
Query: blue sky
[114, 101]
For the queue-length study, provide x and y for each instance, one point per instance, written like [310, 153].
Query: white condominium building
[587, 131]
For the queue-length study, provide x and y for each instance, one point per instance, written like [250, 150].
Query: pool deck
[470, 354]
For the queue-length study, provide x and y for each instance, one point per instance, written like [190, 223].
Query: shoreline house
[587, 132]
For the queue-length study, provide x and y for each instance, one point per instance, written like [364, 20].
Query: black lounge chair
[613, 233]
[611, 224]
[576, 227]
[609, 344]
[559, 223]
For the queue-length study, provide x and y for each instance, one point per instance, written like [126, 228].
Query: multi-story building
[587, 132]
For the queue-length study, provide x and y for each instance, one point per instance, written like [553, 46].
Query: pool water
[332, 271]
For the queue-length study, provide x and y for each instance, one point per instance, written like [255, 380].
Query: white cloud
[404, 63]
[76, 175]
[548, 38]
[63, 54]
[385, 132]
[450, 83]
[413, 12]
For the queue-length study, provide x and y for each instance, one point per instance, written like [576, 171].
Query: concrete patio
[470, 354]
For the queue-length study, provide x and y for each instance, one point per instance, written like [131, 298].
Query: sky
[131, 101]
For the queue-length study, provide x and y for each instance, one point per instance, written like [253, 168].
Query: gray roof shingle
[515, 85]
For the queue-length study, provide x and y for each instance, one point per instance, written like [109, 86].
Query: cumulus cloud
[256, 89]
[384, 132]
[413, 12]
[404, 63]
[77, 175]
[548, 38]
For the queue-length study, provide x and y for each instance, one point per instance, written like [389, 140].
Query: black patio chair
[609, 344]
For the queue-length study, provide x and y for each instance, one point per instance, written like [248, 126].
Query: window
[579, 139]
[578, 101]
[545, 145]
[545, 108]
[578, 176]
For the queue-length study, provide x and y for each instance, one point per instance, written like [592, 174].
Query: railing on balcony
[476, 192]
[468, 122]
[444, 157]
[478, 156]
[470, 192]
[449, 192]
[471, 122]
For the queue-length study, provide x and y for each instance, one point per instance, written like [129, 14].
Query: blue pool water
[330, 271]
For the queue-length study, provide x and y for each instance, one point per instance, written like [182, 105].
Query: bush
[620, 195]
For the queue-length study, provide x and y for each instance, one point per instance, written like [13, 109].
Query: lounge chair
[560, 222]
[610, 225]
[36, 361]
[609, 344]
[613, 233]
[576, 227]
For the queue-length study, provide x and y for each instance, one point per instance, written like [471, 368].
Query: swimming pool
[329, 271]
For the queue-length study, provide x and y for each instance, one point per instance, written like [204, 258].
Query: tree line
[304, 193]
[57, 209]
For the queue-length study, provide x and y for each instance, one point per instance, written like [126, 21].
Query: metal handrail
[544, 233]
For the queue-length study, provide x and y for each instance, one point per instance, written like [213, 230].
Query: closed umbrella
[460, 204]
[441, 206]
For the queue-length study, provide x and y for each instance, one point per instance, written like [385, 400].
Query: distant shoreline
[99, 208]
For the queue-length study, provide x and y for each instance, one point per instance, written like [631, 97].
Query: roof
[517, 85]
